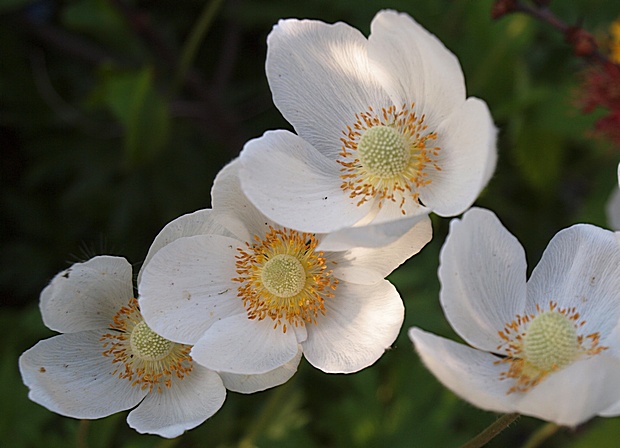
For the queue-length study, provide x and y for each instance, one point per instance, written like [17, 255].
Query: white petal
[185, 405]
[201, 222]
[467, 155]
[295, 185]
[68, 374]
[612, 209]
[576, 393]
[234, 208]
[374, 235]
[414, 66]
[359, 324]
[187, 286]
[320, 78]
[580, 268]
[243, 346]
[370, 265]
[87, 295]
[471, 374]
[482, 273]
[248, 384]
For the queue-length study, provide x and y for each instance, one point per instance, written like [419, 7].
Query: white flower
[613, 206]
[108, 360]
[383, 125]
[246, 293]
[546, 347]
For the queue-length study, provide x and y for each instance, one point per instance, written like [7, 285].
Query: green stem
[491, 431]
[190, 48]
[542, 434]
[81, 438]
[269, 409]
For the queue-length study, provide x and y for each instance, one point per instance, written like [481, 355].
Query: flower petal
[359, 324]
[248, 384]
[482, 273]
[69, 375]
[320, 78]
[471, 374]
[580, 268]
[414, 66]
[576, 393]
[187, 286]
[295, 185]
[612, 209]
[185, 405]
[201, 222]
[87, 295]
[467, 156]
[375, 235]
[371, 265]
[234, 209]
[243, 346]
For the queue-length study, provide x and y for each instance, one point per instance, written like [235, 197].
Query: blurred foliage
[100, 149]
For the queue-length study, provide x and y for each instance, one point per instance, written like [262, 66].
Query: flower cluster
[291, 260]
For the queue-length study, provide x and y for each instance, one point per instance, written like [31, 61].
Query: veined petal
[414, 66]
[243, 346]
[69, 375]
[295, 185]
[320, 78]
[376, 235]
[359, 324]
[371, 265]
[233, 207]
[467, 155]
[576, 393]
[187, 286]
[580, 268]
[482, 272]
[185, 405]
[471, 374]
[87, 295]
[248, 384]
[201, 222]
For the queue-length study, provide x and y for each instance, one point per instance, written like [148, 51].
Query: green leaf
[132, 98]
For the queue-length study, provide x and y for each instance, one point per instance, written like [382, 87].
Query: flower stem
[491, 431]
[81, 438]
[190, 48]
[542, 434]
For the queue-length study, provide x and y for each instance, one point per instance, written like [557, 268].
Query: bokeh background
[116, 115]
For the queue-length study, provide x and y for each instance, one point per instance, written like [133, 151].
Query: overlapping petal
[482, 273]
[185, 405]
[86, 295]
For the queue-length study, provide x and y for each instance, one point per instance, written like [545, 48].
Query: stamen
[539, 344]
[144, 358]
[284, 278]
[387, 156]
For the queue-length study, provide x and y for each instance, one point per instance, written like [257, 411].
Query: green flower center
[147, 344]
[383, 152]
[283, 276]
[551, 341]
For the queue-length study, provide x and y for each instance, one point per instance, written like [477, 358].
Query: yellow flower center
[284, 278]
[387, 156]
[614, 42]
[144, 358]
[539, 344]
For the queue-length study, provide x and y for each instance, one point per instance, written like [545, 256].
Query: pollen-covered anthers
[386, 155]
[542, 343]
[144, 358]
[284, 278]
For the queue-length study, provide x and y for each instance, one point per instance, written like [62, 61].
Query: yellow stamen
[386, 156]
[284, 278]
[145, 359]
[542, 343]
